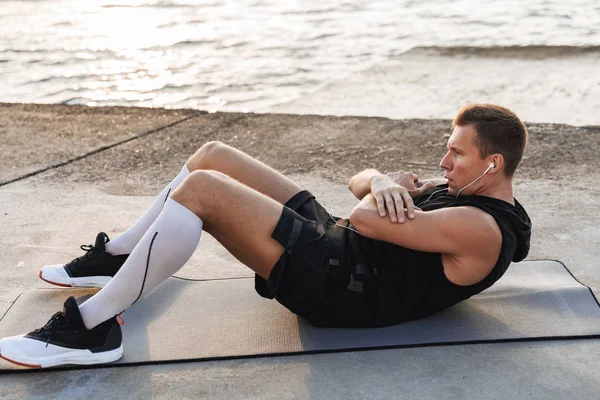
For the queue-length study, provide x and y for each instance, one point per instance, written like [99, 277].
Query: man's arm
[433, 181]
[360, 184]
[392, 192]
[457, 231]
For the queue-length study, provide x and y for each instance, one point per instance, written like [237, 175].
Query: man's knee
[198, 183]
[206, 155]
[202, 192]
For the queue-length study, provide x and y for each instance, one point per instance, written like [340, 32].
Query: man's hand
[392, 197]
[409, 181]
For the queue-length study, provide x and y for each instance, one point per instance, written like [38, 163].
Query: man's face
[462, 163]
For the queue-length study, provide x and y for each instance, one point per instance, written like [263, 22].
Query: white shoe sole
[74, 356]
[67, 281]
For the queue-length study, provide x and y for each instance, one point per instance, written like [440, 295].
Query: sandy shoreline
[552, 84]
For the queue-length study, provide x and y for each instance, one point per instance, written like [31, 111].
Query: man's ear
[498, 160]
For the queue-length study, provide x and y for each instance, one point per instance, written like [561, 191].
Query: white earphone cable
[478, 178]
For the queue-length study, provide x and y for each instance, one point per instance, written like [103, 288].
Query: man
[408, 249]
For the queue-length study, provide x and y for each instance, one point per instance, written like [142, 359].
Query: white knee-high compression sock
[126, 241]
[165, 247]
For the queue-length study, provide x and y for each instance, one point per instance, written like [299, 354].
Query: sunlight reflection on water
[246, 54]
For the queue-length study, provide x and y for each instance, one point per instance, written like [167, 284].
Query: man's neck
[502, 191]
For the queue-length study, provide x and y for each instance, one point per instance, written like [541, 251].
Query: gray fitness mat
[183, 320]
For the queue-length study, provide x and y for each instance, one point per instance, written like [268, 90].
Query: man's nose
[444, 162]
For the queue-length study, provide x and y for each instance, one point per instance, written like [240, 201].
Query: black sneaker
[65, 340]
[95, 268]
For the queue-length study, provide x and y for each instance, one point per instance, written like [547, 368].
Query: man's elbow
[352, 184]
[358, 218]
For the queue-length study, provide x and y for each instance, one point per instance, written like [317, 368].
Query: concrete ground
[69, 172]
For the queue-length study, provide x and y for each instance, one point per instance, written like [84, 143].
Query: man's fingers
[425, 187]
[410, 206]
[415, 177]
[380, 205]
[399, 207]
[389, 202]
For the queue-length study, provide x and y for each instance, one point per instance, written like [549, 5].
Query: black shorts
[321, 275]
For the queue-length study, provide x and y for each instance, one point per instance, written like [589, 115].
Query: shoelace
[58, 320]
[90, 251]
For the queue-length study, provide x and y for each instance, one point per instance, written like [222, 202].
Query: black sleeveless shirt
[412, 284]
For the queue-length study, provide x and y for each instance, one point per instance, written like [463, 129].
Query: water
[245, 55]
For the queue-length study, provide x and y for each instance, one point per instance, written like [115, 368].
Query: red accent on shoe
[120, 321]
[54, 283]
[21, 364]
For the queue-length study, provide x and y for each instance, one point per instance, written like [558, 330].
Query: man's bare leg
[237, 215]
[245, 169]
[218, 157]
[241, 218]
[112, 254]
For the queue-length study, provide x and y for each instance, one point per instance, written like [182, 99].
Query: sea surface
[247, 55]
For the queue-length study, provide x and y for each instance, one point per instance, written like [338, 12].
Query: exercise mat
[221, 319]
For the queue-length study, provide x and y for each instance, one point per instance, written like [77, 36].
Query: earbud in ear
[492, 165]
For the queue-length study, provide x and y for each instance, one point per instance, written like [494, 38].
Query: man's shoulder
[469, 224]
[465, 214]
[478, 244]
